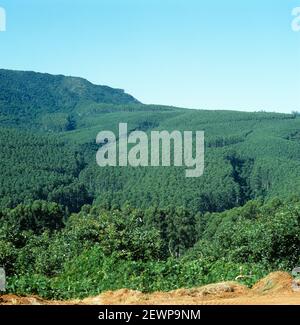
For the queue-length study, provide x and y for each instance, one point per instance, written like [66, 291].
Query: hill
[28, 99]
[247, 155]
[66, 223]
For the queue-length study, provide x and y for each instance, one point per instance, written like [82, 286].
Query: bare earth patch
[275, 289]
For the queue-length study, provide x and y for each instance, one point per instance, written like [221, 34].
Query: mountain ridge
[48, 102]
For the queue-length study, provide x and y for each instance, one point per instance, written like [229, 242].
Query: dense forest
[69, 228]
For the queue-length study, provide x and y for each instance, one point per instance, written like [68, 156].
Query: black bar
[98, 314]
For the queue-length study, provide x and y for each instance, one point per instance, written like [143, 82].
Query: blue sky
[209, 54]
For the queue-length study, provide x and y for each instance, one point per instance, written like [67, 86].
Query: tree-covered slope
[30, 98]
[35, 166]
[247, 155]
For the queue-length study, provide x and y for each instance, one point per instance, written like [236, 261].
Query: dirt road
[275, 289]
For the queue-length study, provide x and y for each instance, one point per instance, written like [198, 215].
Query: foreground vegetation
[97, 250]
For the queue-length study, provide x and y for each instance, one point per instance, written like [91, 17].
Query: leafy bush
[101, 250]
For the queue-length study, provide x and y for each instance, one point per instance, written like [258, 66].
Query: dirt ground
[275, 289]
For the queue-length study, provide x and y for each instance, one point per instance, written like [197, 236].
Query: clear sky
[210, 54]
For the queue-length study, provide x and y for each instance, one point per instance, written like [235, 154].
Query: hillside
[248, 155]
[28, 99]
[66, 224]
